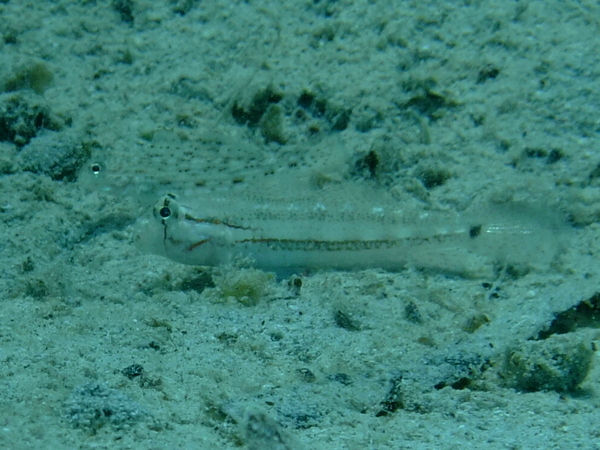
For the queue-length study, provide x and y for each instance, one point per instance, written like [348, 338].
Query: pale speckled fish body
[283, 235]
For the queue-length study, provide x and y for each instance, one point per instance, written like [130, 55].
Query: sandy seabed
[443, 106]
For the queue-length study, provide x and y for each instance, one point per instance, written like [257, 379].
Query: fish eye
[164, 212]
[166, 208]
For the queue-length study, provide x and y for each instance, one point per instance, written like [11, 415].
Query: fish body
[286, 236]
